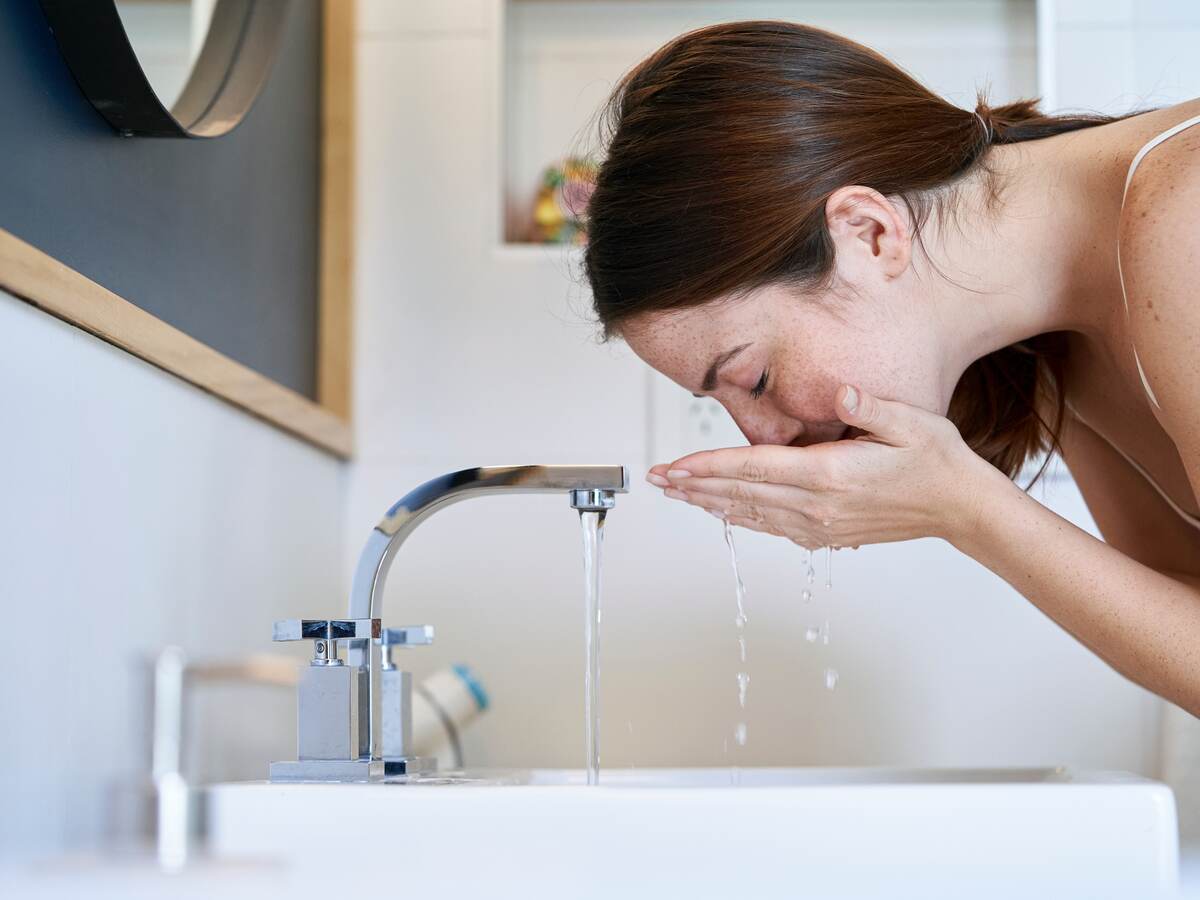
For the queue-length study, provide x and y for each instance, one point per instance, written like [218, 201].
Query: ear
[869, 231]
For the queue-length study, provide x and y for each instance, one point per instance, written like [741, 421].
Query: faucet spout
[589, 487]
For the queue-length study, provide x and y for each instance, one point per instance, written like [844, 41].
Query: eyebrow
[710, 377]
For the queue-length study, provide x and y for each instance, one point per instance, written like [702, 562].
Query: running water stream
[592, 523]
[743, 678]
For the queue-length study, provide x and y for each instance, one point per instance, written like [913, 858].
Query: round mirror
[167, 37]
[169, 68]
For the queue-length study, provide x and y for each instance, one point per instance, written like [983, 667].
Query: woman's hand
[909, 475]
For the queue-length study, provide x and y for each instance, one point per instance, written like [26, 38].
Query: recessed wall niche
[561, 58]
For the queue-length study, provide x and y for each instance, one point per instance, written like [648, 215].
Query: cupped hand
[907, 475]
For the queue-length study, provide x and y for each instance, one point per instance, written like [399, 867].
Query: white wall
[470, 353]
[1118, 55]
[137, 511]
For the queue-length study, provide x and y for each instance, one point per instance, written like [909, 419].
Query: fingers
[741, 498]
[760, 463]
[894, 422]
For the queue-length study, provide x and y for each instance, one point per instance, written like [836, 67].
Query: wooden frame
[37, 278]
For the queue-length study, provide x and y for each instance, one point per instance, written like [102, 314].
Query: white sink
[820, 833]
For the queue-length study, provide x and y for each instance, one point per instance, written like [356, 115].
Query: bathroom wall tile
[1167, 67]
[1095, 69]
[1167, 13]
[384, 18]
[1095, 12]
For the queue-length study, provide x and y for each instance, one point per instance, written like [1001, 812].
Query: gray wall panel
[217, 237]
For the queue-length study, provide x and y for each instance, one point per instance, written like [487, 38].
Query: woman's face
[775, 359]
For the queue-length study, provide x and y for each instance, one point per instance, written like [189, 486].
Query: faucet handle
[325, 633]
[407, 636]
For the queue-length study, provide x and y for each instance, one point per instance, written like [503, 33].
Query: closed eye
[761, 387]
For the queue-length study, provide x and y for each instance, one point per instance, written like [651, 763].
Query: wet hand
[908, 475]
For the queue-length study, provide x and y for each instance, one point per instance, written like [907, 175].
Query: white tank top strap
[1188, 517]
[1137, 159]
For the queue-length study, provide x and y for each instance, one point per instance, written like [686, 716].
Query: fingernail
[674, 494]
[850, 400]
[679, 473]
[657, 480]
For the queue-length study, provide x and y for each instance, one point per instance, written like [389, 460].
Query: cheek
[808, 394]
[808, 383]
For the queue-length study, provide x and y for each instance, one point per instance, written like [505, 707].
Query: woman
[901, 303]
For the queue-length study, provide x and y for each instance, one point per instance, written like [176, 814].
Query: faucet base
[341, 771]
[409, 765]
[350, 771]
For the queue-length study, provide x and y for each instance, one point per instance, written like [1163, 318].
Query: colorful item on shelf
[558, 215]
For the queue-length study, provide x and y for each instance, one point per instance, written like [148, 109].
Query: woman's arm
[1142, 622]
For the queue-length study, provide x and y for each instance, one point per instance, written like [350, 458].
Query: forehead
[681, 343]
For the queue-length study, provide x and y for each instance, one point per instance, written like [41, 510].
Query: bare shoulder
[1160, 262]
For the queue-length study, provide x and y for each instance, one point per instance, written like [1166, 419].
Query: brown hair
[723, 148]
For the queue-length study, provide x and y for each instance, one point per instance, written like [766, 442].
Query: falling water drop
[742, 647]
[806, 595]
[743, 682]
[825, 633]
[829, 567]
[739, 734]
[831, 679]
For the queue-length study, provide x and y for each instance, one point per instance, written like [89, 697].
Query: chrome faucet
[354, 717]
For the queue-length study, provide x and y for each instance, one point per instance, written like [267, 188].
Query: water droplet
[825, 633]
[810, 575]
[739, 734]
[743, 682]
[831, 679]
[829, 567]
[806, 595]
[742, 647]
[811, 633]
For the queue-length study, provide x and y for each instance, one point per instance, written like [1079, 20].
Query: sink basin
[821, 833]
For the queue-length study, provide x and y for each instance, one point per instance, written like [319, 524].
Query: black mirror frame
[228, 75]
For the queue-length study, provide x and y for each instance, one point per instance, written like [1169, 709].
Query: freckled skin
[809, 347]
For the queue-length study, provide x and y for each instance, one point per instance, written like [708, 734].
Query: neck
[1033, 262]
